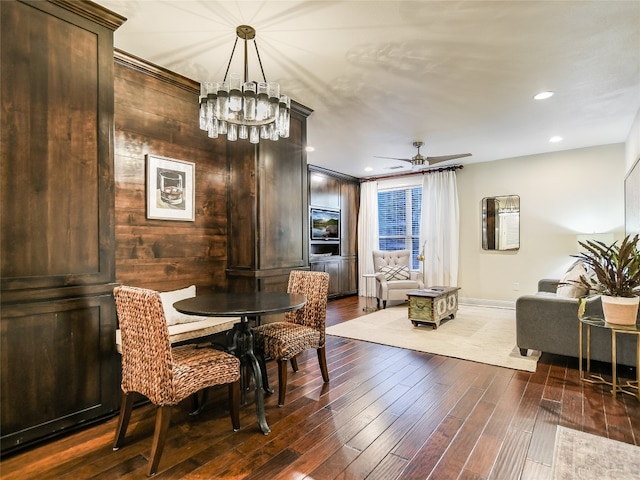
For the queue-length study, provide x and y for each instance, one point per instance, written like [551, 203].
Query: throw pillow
[567, 288]
[173, 316]
[398, 272]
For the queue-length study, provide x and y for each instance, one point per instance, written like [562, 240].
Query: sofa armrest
[548, 285]
[550, 324]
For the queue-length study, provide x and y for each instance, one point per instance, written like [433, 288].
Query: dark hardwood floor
[387, 413]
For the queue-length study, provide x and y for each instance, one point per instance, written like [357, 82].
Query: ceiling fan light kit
[419, 161]
[244, 109]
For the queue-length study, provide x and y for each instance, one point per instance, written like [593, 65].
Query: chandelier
[239, 108]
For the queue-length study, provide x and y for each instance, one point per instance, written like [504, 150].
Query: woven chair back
[146, 349]
[314, 286]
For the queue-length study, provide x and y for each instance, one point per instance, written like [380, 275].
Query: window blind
[399, 220]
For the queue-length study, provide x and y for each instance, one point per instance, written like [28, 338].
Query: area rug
[481, 334]
[589, 457]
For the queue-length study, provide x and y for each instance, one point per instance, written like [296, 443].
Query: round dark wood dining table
[246, 306]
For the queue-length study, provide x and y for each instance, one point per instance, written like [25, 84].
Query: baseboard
[483, 302]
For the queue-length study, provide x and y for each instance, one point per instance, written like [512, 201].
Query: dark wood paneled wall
[57, 259]
[268, 200]
[156, 113]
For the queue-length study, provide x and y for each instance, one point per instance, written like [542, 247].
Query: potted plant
[615, 276]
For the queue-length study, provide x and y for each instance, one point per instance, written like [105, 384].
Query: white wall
[633, 144]
[562, 194]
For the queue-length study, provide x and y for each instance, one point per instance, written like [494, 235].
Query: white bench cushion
[188, 331]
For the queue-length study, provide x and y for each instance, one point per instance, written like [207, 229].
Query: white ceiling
[458, 75]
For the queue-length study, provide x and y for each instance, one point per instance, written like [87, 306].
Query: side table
[629, 387]
[367, 278]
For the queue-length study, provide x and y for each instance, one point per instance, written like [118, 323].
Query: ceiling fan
[419, 161]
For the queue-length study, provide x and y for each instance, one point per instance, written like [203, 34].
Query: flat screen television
[325, 224]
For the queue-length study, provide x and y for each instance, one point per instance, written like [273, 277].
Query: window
[399, 221]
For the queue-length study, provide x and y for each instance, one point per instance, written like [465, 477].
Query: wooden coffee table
[431, 305]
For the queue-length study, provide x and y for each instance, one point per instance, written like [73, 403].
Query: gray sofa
[549, 324]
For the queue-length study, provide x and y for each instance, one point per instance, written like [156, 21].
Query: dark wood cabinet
[267, 209]
[336, 192]
[59, 364]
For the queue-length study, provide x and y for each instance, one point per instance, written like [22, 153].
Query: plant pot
[620, 310]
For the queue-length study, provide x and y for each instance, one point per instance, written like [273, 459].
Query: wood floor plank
[390, 467]
[453, 460]
[481, 460]
[544, 432]
[423, 463]
[512, 456]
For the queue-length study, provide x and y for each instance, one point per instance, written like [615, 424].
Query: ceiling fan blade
[394, 158]
[444, 158]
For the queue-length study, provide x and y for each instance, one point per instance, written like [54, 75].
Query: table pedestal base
[242, 347]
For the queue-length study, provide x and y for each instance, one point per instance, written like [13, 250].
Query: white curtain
[367, 232]
[440, 229]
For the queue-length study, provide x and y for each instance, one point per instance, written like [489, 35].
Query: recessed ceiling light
[309, 149]
[555, 139]
[543, 95]
[368, 169]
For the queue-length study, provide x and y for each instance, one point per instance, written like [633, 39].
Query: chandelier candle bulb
[232, 132]
[235, 93]
[222, 127]
[254, 134]
[249, 107]
[262, 108]
[284, 116]
[222, 101]
[212, 129]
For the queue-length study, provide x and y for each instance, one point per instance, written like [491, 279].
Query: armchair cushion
[397, 272]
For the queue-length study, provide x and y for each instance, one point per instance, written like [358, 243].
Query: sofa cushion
[568, 288]
[173, 316]
[397, 272]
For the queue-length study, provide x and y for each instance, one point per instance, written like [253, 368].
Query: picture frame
[170, 189]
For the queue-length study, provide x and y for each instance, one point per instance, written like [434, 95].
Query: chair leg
[123, 419]
[282, 381]
[234, 404]
[163, 418]
[294, 363]
[377, 302]
[198, 404]
[384, 304]
[322, 360]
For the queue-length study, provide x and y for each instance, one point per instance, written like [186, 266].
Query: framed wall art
[170, 189]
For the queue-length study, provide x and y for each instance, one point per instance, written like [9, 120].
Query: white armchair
[394, 277]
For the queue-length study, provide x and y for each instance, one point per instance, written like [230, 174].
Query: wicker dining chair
[301, 329]
[165, 375]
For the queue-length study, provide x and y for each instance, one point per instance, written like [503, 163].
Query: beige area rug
[481, 334]
[579, 455]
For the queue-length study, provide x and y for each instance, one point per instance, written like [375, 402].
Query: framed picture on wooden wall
[170, 189]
